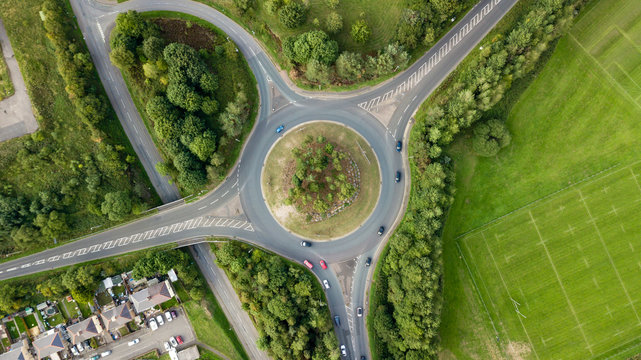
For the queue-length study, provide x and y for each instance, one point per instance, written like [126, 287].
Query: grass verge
[273, 181]
[6, 86]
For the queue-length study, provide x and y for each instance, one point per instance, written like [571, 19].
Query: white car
[326, 283]
[79, 347]
[161, 322]
[168, 316]
[152, 325]
[105, 354]
[173, 342]
[343, 350]
[133, 342]
[74, 351]
[167, 346]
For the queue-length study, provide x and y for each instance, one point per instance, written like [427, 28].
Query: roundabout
[337, 193]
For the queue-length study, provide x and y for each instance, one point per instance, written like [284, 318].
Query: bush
[360, 31]
[334, 22]
[490, 137]
[292, 15]
[117, 205]
[312, 45]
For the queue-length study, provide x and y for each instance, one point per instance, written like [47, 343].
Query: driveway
[16, 116]
[149, 340]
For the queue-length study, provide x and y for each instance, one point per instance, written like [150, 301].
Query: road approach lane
[360, 111]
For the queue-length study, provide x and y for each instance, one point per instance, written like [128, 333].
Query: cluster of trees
[93, 181]
[422, 20]
[284, 299]
[160, 262]
[319, 181]
[180, 95]
[407, 303]
[490, 137]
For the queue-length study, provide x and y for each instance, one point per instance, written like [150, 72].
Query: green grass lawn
[6, 86]
[6, 343]
[22, 327]
[31, 321]
[55, 320]
[351, 217]
[71, 307]
[12, 328]
[211, 325]
[84, 310]
[104, 298]
[577, 118]
[169, 304]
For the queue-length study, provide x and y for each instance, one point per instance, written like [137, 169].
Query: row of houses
[111, 318]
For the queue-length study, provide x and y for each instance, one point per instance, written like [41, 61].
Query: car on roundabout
[308, 264]
[381, 230]
[305, 243]
[397, 179]
[399, 146]
[280, 129]
[368, 261]
[323, 264]
[326, 284]
[359, 311]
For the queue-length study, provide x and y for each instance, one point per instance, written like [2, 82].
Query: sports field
[571, 265]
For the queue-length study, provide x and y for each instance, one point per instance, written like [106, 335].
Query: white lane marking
[102, 34]
[213, 202]
[226, 192]
[200, 208]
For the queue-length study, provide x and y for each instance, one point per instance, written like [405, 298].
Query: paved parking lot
[149, 340]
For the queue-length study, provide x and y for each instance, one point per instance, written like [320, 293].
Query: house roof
[48, 344]
[84, 330]
[117, 317]
[15, 354]
[152, 296]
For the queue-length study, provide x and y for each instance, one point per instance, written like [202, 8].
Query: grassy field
[6, 86]
[31, 321]
[347, 220]
[211, 325]
[589, 125]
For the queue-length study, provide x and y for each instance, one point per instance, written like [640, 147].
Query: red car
[323, 264]
[179, 339]
[308, 264]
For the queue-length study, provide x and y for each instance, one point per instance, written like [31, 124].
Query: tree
[235, 115]
[152, 47]
[292, 15]
[312, 45]
[332, 4]
[184, 96]
[209, 82]
[490, 137]
[349, 66]
[116, 205]
[334, 22]
[131, 24]
[410, 28]
[122, 58]
[318, 72]
[360, 31]
[203, 145]
[243, 5]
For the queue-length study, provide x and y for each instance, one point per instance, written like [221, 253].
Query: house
[110, 282]
[49, 344]
[152, 296]
[117, 317]
[190, 353]
[18, 351]
[84, 330]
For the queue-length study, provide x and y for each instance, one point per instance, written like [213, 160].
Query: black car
[337, 320]
[398, 177]
[399, 146]
[381, 230]
[368, 261]
[305, 243]
[363, 358]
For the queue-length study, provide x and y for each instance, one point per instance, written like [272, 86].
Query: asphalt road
[380, 114]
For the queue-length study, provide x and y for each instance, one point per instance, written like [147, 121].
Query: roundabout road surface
[380, 114]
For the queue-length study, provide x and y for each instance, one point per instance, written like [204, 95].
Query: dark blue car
[399, 146]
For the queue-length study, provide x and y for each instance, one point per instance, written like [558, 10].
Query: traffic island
[321, 180]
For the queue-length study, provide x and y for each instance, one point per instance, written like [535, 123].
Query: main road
[236, 209]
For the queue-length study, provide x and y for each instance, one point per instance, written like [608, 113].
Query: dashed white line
[404, 111]
[202, 207]
[213, 202]
[226, 192]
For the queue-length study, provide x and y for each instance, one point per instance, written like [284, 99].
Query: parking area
[149, 340]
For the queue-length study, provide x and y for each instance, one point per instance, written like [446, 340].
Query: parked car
[173, 341]
[305, 243]
[160, 321]
[168, 316]
[95, 357]
[359, 311]
[399, 146]
[381, 230]
[74, 351]
[308, 264]
[174, 314]
[397, 179]
[326, 283]
[343, 350]
[152, 324]
[323, 264]
[363, 358]
[133, 342]
[105, 353]
[80, 347]
[337, 320]
[280, 129]
[368, 261]
[179, 339]
[167, 346]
